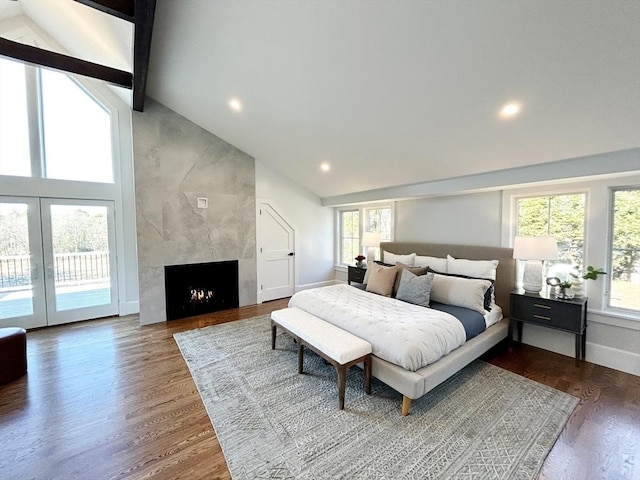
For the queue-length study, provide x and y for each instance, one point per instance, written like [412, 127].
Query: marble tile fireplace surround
[176, 164]
[196, 289]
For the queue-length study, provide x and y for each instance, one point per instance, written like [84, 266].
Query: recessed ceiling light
[235, 105]
[325, 167]
[510, 110]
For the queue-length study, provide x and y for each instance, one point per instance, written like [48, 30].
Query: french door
[57, 261]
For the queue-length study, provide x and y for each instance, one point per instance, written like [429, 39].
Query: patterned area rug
[484, 422]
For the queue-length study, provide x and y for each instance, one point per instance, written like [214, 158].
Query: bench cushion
[334, 342]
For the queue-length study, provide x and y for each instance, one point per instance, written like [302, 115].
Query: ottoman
[13, 354]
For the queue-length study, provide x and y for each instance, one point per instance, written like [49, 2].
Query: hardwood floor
[108, 399]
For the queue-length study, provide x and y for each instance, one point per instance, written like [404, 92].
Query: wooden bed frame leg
[406, 405]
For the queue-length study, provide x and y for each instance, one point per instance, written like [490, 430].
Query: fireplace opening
[199, 288]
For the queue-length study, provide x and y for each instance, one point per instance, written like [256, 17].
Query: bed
[413, 380]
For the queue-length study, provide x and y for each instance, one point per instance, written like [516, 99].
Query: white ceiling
[392, 93]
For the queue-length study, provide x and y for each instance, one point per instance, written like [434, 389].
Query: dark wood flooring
[109, 399]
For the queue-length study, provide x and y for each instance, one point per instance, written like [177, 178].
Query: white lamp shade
[535, 248]
[371, 239]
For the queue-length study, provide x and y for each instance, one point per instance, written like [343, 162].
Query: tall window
[352, 224]
[349, 236]
[51, 127]
[625, 250]
[562, 216]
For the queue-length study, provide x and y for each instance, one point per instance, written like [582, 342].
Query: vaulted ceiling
[392, 93]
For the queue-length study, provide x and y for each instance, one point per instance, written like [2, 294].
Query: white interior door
[276, 255]
[79, 257]
[22, 295]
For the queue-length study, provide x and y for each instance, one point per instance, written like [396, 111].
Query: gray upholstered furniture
[413, 385]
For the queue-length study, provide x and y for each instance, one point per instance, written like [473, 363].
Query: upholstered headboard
[505, 274]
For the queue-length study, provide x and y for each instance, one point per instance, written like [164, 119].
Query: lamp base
[532, 278]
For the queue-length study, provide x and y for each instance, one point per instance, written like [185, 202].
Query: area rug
[272, 423]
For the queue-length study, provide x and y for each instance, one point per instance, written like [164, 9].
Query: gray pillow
[415, 288]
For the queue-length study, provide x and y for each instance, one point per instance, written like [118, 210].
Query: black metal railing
[15, 271]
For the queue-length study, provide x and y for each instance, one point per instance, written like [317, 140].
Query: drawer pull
[541, 317]
[542, 306]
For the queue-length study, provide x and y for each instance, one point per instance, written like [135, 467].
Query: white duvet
[401, 333]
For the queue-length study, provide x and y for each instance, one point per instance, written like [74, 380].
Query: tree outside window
[349, 236]
[625, 250]
[562, 216]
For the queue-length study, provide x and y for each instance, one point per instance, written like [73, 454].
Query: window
[562, 216]
[353, 223]
[349, 236]
[51, 127]
[624, 278]
[14, 125]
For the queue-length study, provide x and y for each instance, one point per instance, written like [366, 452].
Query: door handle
[49, 271]
[291, 254]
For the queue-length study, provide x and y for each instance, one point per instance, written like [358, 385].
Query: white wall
[313, 224]
[472, 219]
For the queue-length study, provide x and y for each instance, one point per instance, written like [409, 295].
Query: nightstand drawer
[557, 314]
[356, 274]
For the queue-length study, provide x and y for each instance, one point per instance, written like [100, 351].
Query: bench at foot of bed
[338, 347]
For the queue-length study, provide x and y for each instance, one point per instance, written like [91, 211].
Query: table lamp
[371, 240]
[534, 250]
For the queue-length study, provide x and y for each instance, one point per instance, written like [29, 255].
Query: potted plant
[360, 261]
[577, 284]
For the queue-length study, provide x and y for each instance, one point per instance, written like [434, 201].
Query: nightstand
[548, 311]
[356, 275]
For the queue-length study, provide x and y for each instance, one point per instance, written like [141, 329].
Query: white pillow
[472, 268]
[437, 264]
[392, 258]
[461, 292]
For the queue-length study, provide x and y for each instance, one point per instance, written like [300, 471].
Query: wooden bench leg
[273, 335]
[367, 375]
[406, 405]
[300, 357]
[342, 380]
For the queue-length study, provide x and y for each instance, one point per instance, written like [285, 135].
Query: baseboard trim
[615, 358]
[628, 362]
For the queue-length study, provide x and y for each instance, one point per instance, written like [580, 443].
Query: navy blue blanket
[472, 321]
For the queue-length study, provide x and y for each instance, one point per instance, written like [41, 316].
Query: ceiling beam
[57, 61]
[123, 9]
[144, 14]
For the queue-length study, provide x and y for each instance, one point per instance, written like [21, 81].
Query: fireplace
[200, 288]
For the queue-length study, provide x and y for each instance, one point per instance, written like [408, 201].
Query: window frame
[609, 254]
[362, 227]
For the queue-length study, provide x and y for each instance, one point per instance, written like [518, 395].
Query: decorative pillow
[415, 289]
[381, 280]
[472, 268]
[462, 292]
[401, 267]
[439, 264]
[392, 258]
[368, 272]
[489, 297]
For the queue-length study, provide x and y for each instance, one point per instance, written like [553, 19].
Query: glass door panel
[22, 299]
[79, 258]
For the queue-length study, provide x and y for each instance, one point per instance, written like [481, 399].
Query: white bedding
[401, 333]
